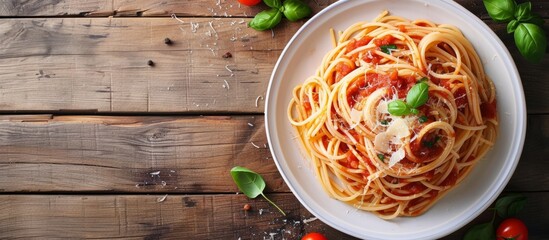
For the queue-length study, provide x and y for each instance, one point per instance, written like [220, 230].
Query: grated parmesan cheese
[356, 117]
[397, 130]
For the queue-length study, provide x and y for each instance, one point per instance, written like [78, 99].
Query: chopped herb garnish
[384, 122]
[387, 48]
[431, 144]
[381, 157]
[423, 119]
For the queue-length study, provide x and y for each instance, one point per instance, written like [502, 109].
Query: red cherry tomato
[314, 236]
[249, 2]
[512, 228]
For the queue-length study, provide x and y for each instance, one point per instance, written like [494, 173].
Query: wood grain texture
[100, 65]
[132, 154]
[137, 8]
[187, 217]
[188, 154]
[23, 8]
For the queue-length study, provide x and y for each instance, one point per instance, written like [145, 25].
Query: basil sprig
[500, 10]
[251, 184]
[529, 36]
[505, 207]
[273, 3]
[293, 10]
[266, 19]
[416, 97]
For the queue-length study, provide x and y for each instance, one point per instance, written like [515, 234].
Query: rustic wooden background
[95, 143]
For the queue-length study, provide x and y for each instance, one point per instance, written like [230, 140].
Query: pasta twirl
[376, 161]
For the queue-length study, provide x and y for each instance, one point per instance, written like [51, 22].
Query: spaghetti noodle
[364, 154]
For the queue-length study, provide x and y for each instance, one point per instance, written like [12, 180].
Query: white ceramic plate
[300, 59]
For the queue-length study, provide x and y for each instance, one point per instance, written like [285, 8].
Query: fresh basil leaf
[266, 19]
[523, 11]
[512, 26]
[387, 48]
[515, 207]
[249, 182]
[504, 203]
[423, 79]
[536, 19]
[398, 108]
[418, 95]
[296, 9]
[500, 10]
[381, 157]
[481, 232]
[422, 119]
[531, 41]
[273, 3]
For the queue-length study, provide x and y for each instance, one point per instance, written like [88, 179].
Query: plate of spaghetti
[395, 119]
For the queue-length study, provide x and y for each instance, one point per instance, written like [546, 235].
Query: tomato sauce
[427, 149]
[386, 40]
[488, 110]
[341, 70]
[354, 44]
[364, 86]
[460, 97]
[452, 178]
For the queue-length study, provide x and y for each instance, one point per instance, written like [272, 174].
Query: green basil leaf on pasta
[387, 48]
[295, 10]
[531, 41]
[398, 108]
[266, 19]
[500, 10]
[418, 95]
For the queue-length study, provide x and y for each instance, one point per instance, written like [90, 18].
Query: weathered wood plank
[132, 154]
[146, 217]
[10, 8]
[188, 216]
[100, 64]
[222, 8]
[170, 154]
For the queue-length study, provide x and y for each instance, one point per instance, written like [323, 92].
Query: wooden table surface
[95, 143]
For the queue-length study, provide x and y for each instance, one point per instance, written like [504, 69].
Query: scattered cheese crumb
[255, 145]
[155, 173]
[309, 220]
[162, 199]
[176, 18]
[257, 100]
